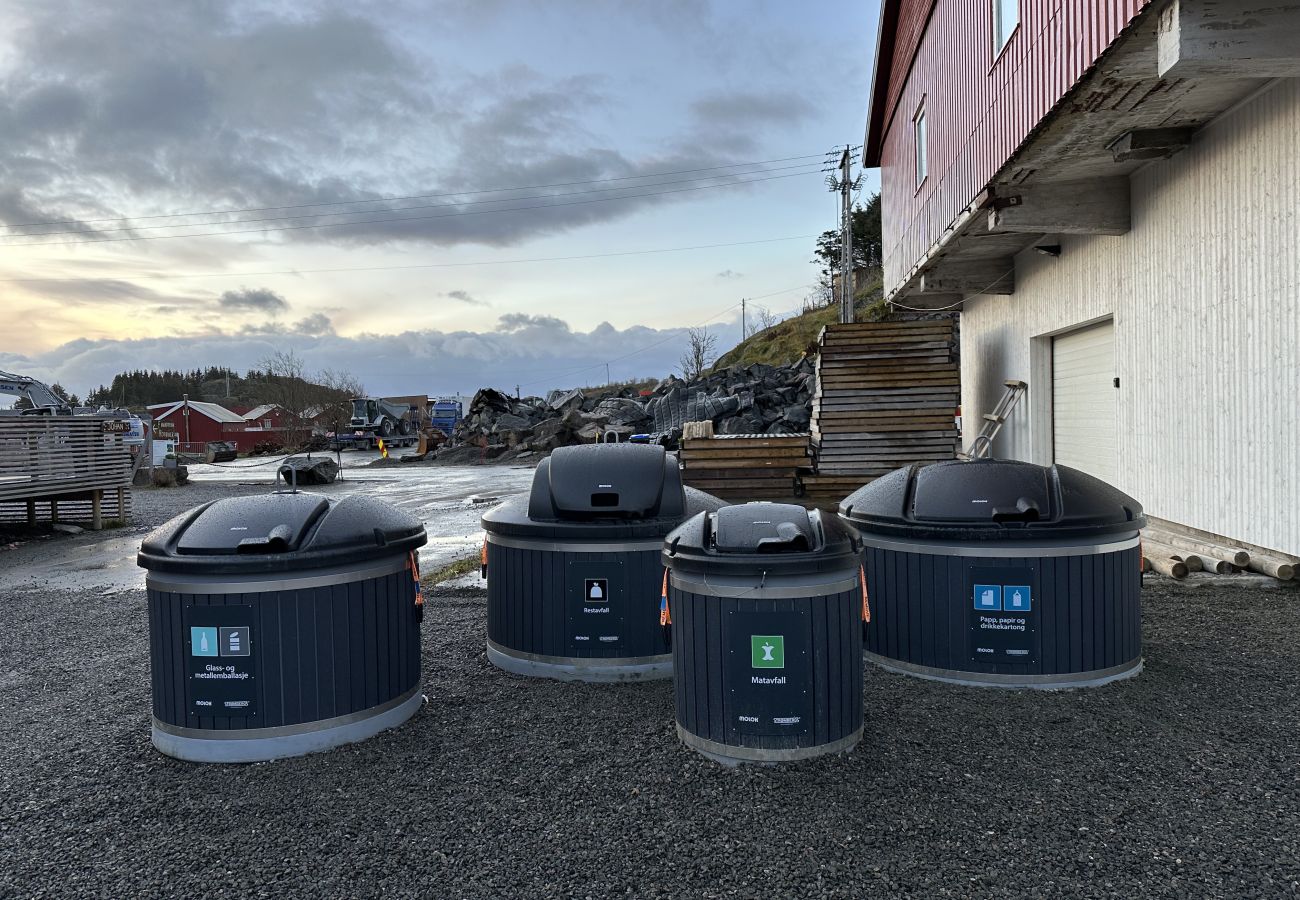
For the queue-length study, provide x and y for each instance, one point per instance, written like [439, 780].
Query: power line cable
[395, 199]
[164, 237]
[455, 265]
[134, 228]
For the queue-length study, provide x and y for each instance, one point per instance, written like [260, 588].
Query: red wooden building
[1107, 191]
[195, 422]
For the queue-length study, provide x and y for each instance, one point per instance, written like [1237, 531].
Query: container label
[1003, 624]
[220, 661]
[767, 672]
[596, 607]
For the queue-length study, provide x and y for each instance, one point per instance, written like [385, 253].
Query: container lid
[991, 499]
[279, 532]
[601, 492]
[749, 538]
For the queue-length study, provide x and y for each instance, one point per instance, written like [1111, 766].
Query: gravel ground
[1181, 782]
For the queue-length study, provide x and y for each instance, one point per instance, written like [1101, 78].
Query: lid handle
[788, 539]
[276, 541]
[1026, 511]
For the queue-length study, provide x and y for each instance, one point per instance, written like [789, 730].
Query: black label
[221, 661]
[1003, 614]
[766, 676]
[597, 607]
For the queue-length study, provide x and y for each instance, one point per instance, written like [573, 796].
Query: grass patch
[452, 570]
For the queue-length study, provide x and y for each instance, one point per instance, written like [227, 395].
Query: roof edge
[885, 39]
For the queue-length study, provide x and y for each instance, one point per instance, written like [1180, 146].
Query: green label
[767, 651]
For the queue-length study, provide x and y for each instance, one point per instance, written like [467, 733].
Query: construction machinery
[375, 419]
[42, 397]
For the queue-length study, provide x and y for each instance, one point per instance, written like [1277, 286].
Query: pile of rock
[756, 399]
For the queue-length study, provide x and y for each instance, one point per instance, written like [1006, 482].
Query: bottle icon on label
[203, 642]
[1015, 600]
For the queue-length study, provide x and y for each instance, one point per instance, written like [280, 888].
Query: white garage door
[1083, 401]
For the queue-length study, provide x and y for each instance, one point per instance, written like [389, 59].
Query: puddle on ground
[450, 501]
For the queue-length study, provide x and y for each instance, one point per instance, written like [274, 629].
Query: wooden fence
[63, 468]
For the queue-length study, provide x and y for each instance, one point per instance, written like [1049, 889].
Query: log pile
[744, 467]
[1177, 554]
[886, 397]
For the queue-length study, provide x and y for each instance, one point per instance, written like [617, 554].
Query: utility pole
[743, 331]
[846, 236]
[606, 374]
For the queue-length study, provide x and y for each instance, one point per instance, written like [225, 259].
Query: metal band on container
[1048, 681]
[280, 731]
[1001, 549]
[730, 752]
[549, 546]
[761, 591]
[177, 582]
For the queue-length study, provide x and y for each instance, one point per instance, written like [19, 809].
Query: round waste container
[282, 624]
[573, 569]
[765, 604]
[1000, 572]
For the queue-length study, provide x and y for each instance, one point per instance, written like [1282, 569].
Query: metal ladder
[982, 446]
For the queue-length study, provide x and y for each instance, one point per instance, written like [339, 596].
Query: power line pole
[744, 332]
[846, 236]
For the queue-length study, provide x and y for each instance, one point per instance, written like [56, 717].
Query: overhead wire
[395, 199]
[392, 220]
[133, 228]
[163, 276]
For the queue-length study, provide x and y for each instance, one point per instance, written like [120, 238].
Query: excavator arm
[43, 399]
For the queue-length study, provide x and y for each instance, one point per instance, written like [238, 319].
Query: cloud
[465, 297]
[750, 110]
[512, 322]
[729, 274]
[254, 299]
[315, 324]
[186, 121]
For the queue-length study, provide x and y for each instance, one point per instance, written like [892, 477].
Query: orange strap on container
[413, 563]
[482, 560]
[665, 615]
[866, 606]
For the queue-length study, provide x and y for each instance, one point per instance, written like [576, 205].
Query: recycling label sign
[222, 665]
[595, 597]
[1003, 620]
[766, 675]
[767, 651]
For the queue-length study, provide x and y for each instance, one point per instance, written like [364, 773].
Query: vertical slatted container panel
[528, 602]
[700, 660]
[1088, 611]
[1213, 243]
[979, 109]
[321, 652]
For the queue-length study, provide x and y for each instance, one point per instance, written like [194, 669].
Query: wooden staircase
[887, 395]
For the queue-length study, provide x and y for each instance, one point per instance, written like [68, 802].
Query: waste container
[1000, 572]
[765, 603]
[573, 569]
[282, 624]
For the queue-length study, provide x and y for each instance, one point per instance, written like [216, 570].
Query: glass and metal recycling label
[220, 661]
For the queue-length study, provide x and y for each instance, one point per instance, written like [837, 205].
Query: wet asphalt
[1179, 783]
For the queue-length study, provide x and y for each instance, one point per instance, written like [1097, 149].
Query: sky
[433, 196]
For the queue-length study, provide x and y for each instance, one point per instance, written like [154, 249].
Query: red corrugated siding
[977, 112]
[912, 17]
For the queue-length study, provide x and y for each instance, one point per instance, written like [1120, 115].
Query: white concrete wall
[1205, 296]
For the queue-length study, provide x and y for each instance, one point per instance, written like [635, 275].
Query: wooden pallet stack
[887, 394]
[745, 466]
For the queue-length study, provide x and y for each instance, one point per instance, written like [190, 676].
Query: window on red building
[918, 128]
[1006, 16]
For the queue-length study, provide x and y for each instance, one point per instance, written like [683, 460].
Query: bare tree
[821, 295]
[306, 399]
[702, 352]
[766, 318]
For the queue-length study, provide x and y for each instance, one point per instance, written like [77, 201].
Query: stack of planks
[1176, 554]
[887, 395]
[744, 466]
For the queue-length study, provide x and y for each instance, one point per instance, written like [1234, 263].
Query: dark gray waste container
[766, 607]
[282, 624]
[1001, 573]
[573, 569]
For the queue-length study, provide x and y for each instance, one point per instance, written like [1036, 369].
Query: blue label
[1016, 598]
[988, 596]
[203, 642]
